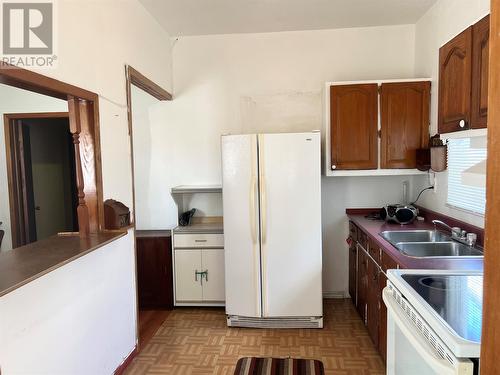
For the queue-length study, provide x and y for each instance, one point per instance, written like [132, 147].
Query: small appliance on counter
[116, 214]
[399, 213]
[434, 320]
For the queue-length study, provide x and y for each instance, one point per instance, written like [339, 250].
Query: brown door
[353, 126]
[154, 272]
[480, 60]
[373, 298]
[404, 111]
[455, 66]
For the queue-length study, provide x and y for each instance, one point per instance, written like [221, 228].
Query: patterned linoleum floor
[197, 341]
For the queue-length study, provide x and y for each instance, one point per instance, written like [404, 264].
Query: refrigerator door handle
[253, 188]
[263, 224]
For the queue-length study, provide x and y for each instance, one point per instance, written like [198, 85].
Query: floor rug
[278, 366]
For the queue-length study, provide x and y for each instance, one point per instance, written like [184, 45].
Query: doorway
[153, 247]
[40, 152]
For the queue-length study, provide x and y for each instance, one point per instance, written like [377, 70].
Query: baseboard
[121, 369]
[335, 295]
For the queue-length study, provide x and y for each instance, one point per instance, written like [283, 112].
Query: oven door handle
[442, 366]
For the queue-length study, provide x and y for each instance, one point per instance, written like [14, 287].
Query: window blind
[462, 156]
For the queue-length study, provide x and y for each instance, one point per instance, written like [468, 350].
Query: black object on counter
[185, 218]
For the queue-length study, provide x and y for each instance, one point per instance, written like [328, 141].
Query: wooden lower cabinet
[362, 282]
[382, 329]
[367, 279]
[353, 259]
[154, 269]
[372, 300]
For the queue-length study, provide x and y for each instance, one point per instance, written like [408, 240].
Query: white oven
[413, 346]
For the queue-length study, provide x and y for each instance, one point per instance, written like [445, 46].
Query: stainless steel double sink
[428, 244]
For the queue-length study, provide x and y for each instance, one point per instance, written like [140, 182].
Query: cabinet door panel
[404, 122]
[455, 68]
[372, 301]
[353, 127]
[480, 62]
[362, 281]
[352, 271]
[188, 286]
[154, 272]
[213, 286]
[382, 338]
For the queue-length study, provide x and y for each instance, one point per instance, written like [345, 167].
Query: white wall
[441, 23]
[78, 319]
[13, 100]
[271, 82]
[95, 39]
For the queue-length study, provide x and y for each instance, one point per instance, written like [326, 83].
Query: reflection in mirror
[37, 168]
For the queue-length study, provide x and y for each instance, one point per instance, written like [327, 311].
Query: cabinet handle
[462, 123]
[200, 240]
[206, 275]
[334, 167]
[196, 273]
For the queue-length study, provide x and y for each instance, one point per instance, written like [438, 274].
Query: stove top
[457, 299]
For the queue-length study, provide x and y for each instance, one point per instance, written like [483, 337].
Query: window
[464, 153]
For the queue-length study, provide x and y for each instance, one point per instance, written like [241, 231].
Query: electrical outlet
[433, 182]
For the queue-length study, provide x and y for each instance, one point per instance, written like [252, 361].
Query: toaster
[399, 213]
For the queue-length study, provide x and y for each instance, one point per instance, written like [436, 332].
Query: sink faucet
[457, 233]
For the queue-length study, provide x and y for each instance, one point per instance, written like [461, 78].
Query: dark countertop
[24, 264]
[152, 233]
[374, 227]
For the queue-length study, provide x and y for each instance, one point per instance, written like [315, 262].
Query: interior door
[290, 201]
[241, 225]
[212, 262]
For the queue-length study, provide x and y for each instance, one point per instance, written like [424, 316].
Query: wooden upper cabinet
[480, 60]
[404, 114]
[455, 67]
[353, 126]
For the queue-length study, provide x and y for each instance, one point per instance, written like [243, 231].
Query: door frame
[83, 109]
[19, 221]
[491, 316]
[134, 77]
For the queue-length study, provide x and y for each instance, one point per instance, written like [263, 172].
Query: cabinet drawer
[198, 240]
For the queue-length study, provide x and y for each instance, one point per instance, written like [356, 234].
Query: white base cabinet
[198, 271]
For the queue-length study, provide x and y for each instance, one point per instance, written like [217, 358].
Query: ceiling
[202, 17]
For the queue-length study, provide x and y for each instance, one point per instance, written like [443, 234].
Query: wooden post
[75, 129]
[490, 341]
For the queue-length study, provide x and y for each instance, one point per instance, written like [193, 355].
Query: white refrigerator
[272, 230]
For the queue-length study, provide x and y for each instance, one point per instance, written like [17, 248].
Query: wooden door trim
[134, 77]
[85, 126]
[139, 80]
[37, 115]
[491, 304]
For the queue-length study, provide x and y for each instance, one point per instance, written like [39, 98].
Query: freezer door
[290, 205]
[241, 225]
